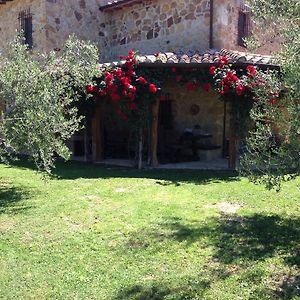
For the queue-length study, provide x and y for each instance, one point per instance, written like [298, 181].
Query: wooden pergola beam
[97, 134]
[154, 133]
[118, 5]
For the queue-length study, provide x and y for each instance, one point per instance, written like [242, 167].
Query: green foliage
[274, 146]
[39, 93]
[287, 9]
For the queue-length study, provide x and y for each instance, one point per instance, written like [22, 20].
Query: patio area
[216, 164]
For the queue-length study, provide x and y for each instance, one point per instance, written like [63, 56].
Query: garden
[93, 232]
[71, 230]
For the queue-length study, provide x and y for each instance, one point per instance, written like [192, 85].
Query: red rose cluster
[226, 80]
[121, 84]
[191, 85]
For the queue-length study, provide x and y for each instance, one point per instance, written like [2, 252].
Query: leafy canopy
[281, 161]
[38, 96]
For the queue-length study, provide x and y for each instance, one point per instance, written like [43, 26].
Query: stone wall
[169, 26]
[210, 117]
[150, 26]
[53, 21]
[9, 22]
[64, 17]
[226, 15]
[156, 25]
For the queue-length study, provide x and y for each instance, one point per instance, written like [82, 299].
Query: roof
[207, 58]
[118, 4]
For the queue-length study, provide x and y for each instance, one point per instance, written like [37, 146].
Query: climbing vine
[128, 91]
[132, 89]
[254, 96]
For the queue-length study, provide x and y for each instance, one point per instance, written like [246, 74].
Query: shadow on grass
[250, 239]
[160, 291]
[75, 170]
[139, 292]
[242, 239]
[290, 288]
[239, 243]
[189, 288]
[197, 287]
[12, 198]
[180, 288]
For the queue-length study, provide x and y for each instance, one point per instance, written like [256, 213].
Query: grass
[106, 233]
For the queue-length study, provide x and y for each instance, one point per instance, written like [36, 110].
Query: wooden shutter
[241, 27]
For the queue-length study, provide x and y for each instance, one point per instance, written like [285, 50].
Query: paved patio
[216, 164]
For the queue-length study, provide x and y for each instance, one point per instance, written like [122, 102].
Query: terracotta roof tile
[208, 57]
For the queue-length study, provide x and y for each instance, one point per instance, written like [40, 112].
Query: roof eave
[118, 5]
[204, 65]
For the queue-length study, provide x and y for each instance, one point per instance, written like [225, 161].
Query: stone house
[189, 34]
[117, 26]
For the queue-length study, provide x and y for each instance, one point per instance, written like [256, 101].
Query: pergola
[188, 61]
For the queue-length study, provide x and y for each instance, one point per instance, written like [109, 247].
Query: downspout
[211, 25]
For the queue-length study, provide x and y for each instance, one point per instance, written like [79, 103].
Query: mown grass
[107, 233]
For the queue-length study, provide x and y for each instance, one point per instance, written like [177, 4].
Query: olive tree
[272, 161]
[38, 96]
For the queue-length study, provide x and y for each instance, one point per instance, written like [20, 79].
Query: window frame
[26, 27]
[243, 27]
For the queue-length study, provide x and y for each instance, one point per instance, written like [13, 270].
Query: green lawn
[108, 233]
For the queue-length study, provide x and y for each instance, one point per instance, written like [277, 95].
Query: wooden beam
[154, 133]
[234, 142]
[97, 134]
[118, 5]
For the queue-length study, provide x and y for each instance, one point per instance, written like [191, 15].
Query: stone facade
[65, 17]
[154, 26]
[225, 22]
[148, 26]
[52, 20]
[170, 26]
[9, 21]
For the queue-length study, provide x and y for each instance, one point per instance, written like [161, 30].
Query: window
[243, 27]
[25, 25]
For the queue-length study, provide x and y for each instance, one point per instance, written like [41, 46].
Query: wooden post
[224, 129]
[140, 150]
[85, 140]
[97, 134]
[154, 133]
[234, 141]
[233, 152]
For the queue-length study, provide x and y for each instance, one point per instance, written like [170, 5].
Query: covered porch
[187, 130]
